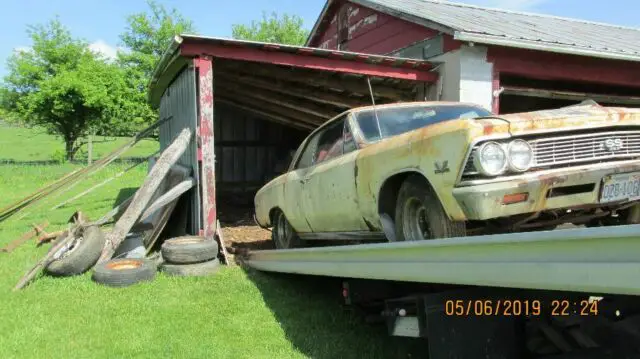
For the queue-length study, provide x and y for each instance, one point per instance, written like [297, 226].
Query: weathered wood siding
[371, 31]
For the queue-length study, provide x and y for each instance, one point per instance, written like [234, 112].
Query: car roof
[414, 103]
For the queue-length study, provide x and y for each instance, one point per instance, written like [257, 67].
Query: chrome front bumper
[549, 189]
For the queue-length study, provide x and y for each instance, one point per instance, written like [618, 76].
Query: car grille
[573, 149]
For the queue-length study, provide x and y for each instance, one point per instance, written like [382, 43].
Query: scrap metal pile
[86, 245]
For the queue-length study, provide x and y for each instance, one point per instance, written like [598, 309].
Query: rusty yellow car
[425, 170]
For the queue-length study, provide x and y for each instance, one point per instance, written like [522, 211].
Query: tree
[146, 37]
[285, 30]
[61, 85]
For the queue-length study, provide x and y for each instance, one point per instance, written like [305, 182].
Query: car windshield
[398, 120]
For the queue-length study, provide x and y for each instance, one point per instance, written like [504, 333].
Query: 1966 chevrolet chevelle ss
[424, 170]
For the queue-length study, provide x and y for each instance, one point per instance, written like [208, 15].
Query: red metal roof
[189, 46]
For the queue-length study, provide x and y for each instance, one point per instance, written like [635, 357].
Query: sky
[101, 22]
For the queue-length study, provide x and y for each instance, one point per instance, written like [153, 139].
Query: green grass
[238, 313]
[23, 145]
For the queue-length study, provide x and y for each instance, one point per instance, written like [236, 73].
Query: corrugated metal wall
[179, 102]
[248, 148]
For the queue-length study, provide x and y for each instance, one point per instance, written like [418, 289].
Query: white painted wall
[476, 76]
[466, 76]
[448, 86]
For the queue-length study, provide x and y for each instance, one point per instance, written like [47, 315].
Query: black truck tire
[124, 272]
[419, 214]
[191, 270]
[189, 249]
[82, 256]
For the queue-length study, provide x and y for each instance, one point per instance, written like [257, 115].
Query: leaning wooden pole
[144, 194]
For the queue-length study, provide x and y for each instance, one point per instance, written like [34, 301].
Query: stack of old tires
[180, 256]
[190, 256]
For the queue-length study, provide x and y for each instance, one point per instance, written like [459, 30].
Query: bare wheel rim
[415, 225]
[282, 231]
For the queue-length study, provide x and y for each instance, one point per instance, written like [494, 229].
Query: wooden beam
[292, 103]
[553, 66]
[288, 88]
[275, 118]
[143, 195]
[317, 79]
[571, 95]
[294, 115]
[308, 62]
[206, 145]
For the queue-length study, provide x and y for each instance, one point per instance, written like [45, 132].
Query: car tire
[124, 272]
[282, 234]
[82, 256]
[189, 249]
[191, 270]
[420, 215]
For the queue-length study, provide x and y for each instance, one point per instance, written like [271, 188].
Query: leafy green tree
[61, 85]
[287, 29]
[146, 37]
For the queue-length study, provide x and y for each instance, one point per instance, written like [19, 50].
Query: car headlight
[520, 155]
[491, 159]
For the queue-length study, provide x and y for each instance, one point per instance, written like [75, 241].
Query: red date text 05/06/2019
[519, 307]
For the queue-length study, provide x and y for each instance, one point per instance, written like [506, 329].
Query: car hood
[562, 119]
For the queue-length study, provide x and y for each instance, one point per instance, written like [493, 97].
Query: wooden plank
[570, 95]
[143, 195]
[223, 245]
[169, 196]
[264, 106]
[307, 62]
[266, 115]
[24, 238]
[206, 143]
[282, 87]
[44, 262]
[156, 220]
[308, 110]
[321, 80]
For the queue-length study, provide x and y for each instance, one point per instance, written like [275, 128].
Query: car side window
[349, 144]
[331, 142]
[308, 153]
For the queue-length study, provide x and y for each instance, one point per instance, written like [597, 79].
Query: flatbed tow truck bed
[558, 294]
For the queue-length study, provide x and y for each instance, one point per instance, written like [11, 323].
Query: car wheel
[282, 234]
[191, 270]
[124, 272]
[189, 249]
[419, 214]
[82, 255]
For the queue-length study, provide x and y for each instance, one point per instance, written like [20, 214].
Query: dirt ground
[239, 231]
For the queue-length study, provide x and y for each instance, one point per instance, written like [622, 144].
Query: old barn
[505, 60]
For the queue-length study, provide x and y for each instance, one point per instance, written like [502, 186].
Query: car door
[330, 197]
[294, 185]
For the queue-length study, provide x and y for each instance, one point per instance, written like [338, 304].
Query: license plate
[620, 187]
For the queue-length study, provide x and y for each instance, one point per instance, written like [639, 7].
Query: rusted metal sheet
[206, 143]
[179, 103]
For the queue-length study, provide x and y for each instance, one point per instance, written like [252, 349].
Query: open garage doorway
[251, 104]
[521, 94]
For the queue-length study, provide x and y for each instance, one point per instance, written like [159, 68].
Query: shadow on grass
[310, 311]
[123, 194]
